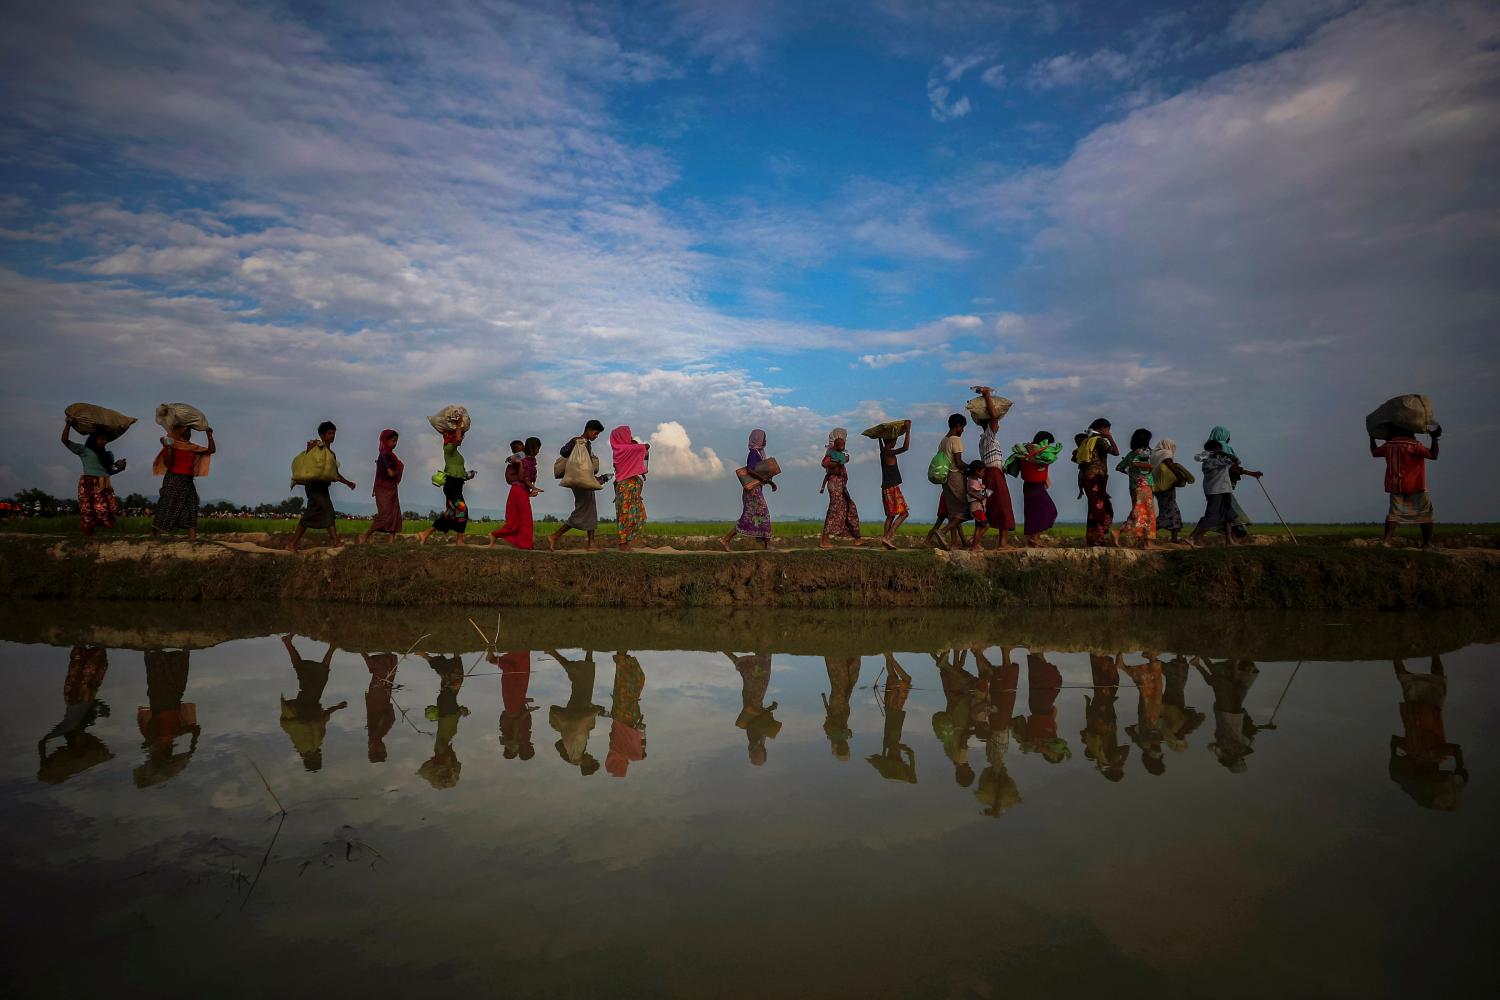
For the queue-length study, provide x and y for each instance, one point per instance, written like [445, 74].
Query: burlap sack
[88, 418]
[888, 430]
[980, 414]
[450, 418]
[1411, 414]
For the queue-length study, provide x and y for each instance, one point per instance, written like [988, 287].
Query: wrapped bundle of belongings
[888, 430]
[317, 464]
[980, 414]
[1410, 414]
[449, 419]
[89, 419]
[174, 415]
[762, 473]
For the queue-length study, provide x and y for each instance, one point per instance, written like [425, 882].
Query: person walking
[999, 514]
[319, 512]
[1406, 481]
[953, 506]
[97, 504]
[388, 470]
[1033, 462]
[755, 515]
[518, 526]
[455, 515]
[842, 519]
[585, 516]
[178, 463]
[1137, 466]
[892, 501]
[1092, 457]
[630, 457]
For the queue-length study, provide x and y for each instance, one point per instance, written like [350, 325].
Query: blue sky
[699, 218]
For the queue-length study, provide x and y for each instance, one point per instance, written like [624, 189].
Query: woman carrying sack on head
[97, 504]
[455, 515]
[178, 463]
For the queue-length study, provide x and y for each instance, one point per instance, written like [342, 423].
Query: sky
[700, 217]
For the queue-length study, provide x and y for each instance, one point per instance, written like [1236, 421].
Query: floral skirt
[842, 520]
[176, 504]
[630, 509]
[1168, 514]
[455, 515]
[1101, 512]
[755, 516]
[97, 503]
[894, 502]
[1142, 522]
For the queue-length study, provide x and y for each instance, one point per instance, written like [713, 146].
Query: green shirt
[91, 463]
[453, 462]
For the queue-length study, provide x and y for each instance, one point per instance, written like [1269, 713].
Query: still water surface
[830, 806]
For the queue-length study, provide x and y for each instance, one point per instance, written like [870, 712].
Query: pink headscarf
[630, 458]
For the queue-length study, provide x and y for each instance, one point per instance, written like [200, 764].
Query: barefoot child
[891, 497]
[977, 494]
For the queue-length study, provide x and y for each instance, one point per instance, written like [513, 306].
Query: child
[891, 497]
[1137, 465]
[1406, 482]
[1031, 461]
[517, 453]
[1217, 466]
[977, 495]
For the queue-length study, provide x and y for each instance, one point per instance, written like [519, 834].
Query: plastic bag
[450, 418]
[316, 465]
[582, 469]
[1410, 414]
[174, 415]
[889, 430]
[980, 414]
[89, 418]
[937, 469]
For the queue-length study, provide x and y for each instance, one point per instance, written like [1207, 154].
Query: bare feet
[724, 542]
[422, 536]
[551, 543]
[888, 544]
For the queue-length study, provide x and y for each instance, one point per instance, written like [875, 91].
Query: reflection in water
[627, 729]
[997, 790]
[1178, 720]
[442, 769]
[304, 718]
[896, 761]
[515, 713]
[1101, 727]
[755, 716]
[1146, 733]
[166, 718]
[1234, 730]
[1037, 732]
[575, 720]
[953, 725]
[843, 678]
[1416, 762]
[380, 710]
[80, 749]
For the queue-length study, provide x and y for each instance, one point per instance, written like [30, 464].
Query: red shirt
[1405, 465]
[180, 461]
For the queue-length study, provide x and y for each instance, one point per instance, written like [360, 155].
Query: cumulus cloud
[673, 457]
[940, 81]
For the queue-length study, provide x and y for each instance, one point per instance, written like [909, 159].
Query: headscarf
[388, 452]
[1221, 435]
[757, 451]
[630, 458]
[1165, 451]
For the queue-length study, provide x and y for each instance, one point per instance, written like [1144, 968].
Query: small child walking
[1217, 488]
[1406, 482]
[978, 496]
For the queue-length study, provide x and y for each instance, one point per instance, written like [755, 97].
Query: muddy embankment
[1267, 577]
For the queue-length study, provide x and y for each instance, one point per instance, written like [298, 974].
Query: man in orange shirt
[1406, 482]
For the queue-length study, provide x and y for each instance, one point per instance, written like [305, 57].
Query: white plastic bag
[174, 415]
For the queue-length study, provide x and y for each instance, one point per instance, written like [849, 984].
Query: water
[691, 818]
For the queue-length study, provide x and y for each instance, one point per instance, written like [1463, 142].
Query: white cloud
[673, 457]
[940, 81]
[1275, 22]
[1071, 69]
[993, 76]
[894, 358]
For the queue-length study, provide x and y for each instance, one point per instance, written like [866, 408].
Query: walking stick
[1288, 527]
[1272, 723]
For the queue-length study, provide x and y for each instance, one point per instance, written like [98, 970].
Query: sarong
[998, 510]
[755, 516]
[517, 529]
[1168, 514]
[1220, 513]
[1410, 508]
[630, 508]
[387, 508]
[176, 504]
[585, 516]
[1142, 522]
[319, 510]
[956, 496]
[1101, 512]
[97, 504]
[842, 519]
[1040, 511]
[455, 515]
[893, 501]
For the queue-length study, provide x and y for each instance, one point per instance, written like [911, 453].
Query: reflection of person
[1037, 733]
[1101, 727]
[952, 725]
[80, 749]
[304, 718]
[896, 761]
[515, 715]
[997, 790]
[1178, 721]
[755, 717]
[442, 769]
[1417, 757]
[627, 729]
[380, 711]
[166, 718]
[1234, 730]
[575, 720]
[1147, 732]
[843, 677]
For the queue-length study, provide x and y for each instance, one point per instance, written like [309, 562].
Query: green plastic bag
[937, 469]
[316, 465]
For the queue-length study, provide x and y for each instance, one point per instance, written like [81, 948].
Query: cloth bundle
[580, 470]
[980, 414]
[88, 419]
[888, 430]
[450, 418]
[316, 465]
[1411, 414]
[173, 415]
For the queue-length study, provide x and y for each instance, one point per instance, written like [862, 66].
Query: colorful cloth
[1101, 510]
[455, 515]
[1168, 514]
[518, 527]
[1142, 522]
[183, 458]
[387, 507]
[755, 516]
[893, 501]
[630, 508]
[629, 457]
[319, 510]
[176, 503]
[97, 505]
[1410, 508]
[1040, 511]
[1405, 465]
[842, 520]
[997, 509]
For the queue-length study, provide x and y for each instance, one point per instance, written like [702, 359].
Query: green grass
[703, 529]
